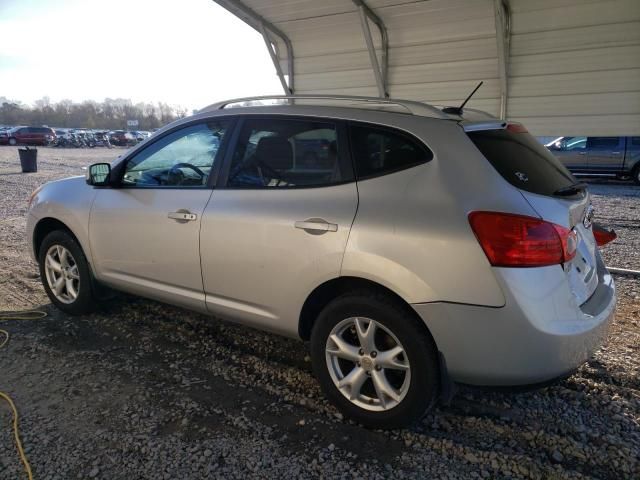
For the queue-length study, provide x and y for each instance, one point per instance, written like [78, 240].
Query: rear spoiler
[469, 126]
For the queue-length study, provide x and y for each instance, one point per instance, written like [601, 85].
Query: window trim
[396, 131]
[344, 153]
[120, 169]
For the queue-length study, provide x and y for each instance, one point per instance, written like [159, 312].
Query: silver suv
[412, 246]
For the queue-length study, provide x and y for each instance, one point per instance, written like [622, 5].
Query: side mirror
[99, 175]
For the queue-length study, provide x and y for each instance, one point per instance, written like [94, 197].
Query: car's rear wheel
[374, 360]
[65, 274]
[13, 141]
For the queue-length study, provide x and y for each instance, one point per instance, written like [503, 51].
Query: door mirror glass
[99, 174]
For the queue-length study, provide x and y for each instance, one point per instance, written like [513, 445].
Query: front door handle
[183, 216]
[316, 225]
[582, 153]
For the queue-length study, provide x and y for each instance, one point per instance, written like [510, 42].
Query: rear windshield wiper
[571, 189]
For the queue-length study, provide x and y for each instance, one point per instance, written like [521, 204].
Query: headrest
[275, 152]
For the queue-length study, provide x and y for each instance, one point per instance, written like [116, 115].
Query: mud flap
[447, 386]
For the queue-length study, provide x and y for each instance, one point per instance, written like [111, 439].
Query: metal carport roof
[565, 67]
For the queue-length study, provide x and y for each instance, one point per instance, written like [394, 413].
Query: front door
[572, 152]
[279, 226]
[144, 233]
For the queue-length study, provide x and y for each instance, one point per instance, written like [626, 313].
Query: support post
[503, 40]
[267, 30]
[274, 58]
[380, 69]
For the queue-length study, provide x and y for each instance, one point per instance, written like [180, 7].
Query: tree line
[109, 114]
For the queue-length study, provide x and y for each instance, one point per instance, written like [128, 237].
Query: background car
[599, 156]
[122, 138]
[28, 136]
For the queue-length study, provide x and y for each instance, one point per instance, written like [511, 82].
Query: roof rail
[412, 107]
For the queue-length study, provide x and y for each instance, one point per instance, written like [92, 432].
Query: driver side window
[184, 158]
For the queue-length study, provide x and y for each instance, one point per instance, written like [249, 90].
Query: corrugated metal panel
[574, 65]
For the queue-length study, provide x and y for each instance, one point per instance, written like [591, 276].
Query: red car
[28, 136]
[122, 138]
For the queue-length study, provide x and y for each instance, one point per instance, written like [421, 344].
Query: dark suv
[28, 136]
[599, 156]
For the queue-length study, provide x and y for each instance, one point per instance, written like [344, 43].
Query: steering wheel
[177, 166]
[176, 173]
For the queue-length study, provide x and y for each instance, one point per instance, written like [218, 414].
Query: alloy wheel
[368, 364]
[63, 276]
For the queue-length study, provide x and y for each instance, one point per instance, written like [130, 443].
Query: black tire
[86, 301]
[421, 351]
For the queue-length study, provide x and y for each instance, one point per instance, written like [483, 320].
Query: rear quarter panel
[411, 231]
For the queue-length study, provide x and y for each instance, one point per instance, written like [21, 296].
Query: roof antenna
[458, 110]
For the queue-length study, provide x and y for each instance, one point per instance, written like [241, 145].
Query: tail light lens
[510, 240]
[602, 235]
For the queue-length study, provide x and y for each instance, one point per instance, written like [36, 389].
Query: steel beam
[274, 58]
[268, 31]
[380, 69]
[503, 40]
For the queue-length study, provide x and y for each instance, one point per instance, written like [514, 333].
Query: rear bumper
[540, 333]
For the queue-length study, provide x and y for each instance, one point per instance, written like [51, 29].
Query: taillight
[510, 240]
[602, 235]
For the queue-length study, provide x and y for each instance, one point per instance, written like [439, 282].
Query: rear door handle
[316, 225]
[582, 153]
[184, 216]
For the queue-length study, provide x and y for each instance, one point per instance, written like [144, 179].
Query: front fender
[68, 201]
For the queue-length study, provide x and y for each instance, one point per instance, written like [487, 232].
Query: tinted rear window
[522, 161]
[379, 151]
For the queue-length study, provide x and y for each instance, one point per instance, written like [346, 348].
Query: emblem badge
[522, 177]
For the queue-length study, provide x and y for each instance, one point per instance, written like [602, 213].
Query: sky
[183, 52]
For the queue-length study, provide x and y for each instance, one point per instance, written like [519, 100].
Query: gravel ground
[144, 390]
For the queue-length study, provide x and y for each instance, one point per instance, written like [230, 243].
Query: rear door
[278, 225]
[605, 154]
[529, 166]
[632, 156]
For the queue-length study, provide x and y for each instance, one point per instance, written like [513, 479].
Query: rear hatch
[549, 188]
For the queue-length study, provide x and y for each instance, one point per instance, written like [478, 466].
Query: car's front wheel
[13, 141]
[374, 360]
[65, 273]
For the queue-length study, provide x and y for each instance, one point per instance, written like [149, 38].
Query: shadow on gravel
[236, 378]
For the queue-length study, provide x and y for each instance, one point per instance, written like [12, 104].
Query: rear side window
[635, 141]
[522, 160]
[379, 151]
[602, 142]
[287, 153]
